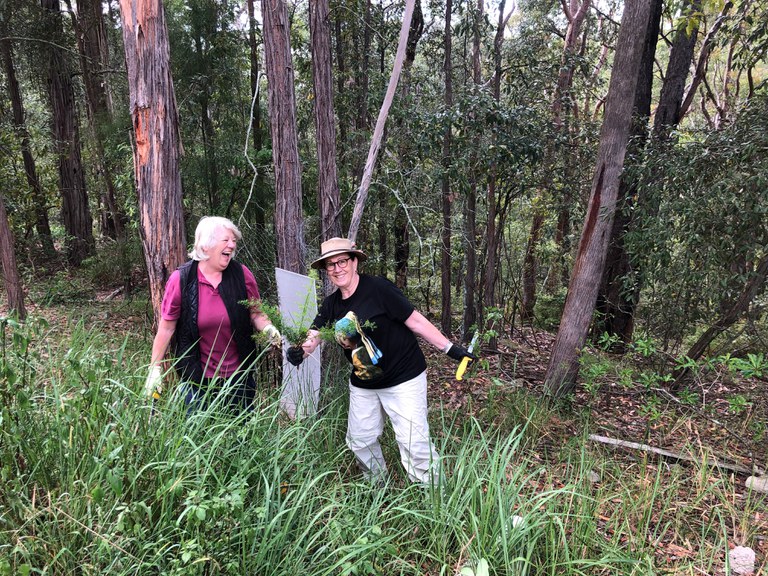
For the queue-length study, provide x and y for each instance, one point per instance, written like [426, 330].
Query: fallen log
[676, 455]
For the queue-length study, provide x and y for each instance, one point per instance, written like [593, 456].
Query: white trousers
[406, 406]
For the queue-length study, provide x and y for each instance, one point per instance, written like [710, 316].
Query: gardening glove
[458, 352]
[273, 334]
[153, 386]
[295, 355]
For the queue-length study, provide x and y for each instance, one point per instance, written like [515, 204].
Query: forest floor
[715, 415]
[718, 416]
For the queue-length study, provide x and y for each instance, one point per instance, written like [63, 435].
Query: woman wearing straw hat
[377, 326]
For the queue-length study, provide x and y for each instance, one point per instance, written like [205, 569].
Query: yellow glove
[153, 386]
[274, 336]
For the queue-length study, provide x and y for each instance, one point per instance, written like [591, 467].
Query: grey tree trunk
[11, 278]
[445, 194]
[563, 366]
[75, 212]
[289, 224]
[94, 62]
[42, 225]
[156, 142]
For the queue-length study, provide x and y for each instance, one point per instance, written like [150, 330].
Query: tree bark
[495, 219]
[289, 224]
[76, 214]
[329, 197]
[11, 277]
[469, 318]
[94, 62]
[325, 126]
[563, 367]
[156, 142]
[42, 225]
[446, 198]
[669, 110]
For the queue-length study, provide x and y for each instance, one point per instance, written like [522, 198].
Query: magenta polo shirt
[218, 352]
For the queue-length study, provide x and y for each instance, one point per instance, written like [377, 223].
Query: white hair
[205, 235]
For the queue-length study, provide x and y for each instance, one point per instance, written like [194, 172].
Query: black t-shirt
[387, 352]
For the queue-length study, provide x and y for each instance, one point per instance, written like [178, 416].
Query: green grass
[95, 480]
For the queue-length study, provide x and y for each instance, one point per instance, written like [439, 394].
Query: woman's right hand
[153, 386]
[295, 355]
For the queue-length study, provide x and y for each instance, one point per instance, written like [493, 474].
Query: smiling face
[342, 270]
[222, 251]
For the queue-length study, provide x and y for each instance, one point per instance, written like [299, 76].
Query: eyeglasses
[341, 263]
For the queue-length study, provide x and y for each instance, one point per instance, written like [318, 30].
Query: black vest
[233, 292]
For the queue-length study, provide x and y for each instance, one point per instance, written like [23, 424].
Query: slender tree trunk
[469, 318]
[156, 142]
[289, 224]
[378, 132]
[253, 45]
[94, 63]
[76, 214]
[11, 278]
[563, 366]
[752, 288]
[708, 44]
[669, 110]
[259, 217]
[341, 73]
[445, 196]
[494, 219]
[42, 226]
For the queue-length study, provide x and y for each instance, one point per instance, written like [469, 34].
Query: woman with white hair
[203, 307]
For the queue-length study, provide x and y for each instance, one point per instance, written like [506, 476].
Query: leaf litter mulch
[716, 415]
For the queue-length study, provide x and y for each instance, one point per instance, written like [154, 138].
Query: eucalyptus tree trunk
[495, 218]
[405, 159]
[329, 197]
[445, 185]
[670, 107]
[563, 367]
[289, 225]
[469, 317]
[42, 226]
[11, 278]
[156, 142]
[256, 209]
[616, 303]
[325, 125]
[76, 214]
[341, 73]
[94, 63]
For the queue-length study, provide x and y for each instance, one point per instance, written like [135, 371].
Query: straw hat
[336, 246]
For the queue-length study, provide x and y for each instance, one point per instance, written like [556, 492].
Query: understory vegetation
[97, 480]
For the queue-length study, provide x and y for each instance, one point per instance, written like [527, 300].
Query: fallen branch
[676, 455]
